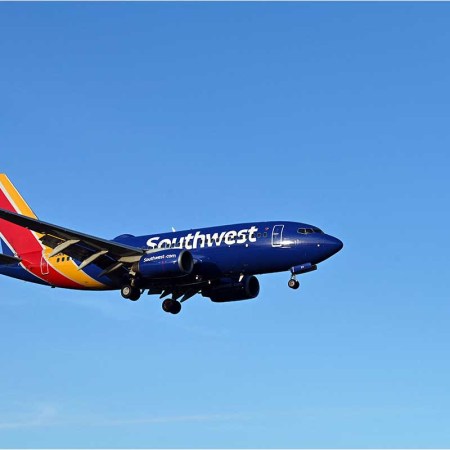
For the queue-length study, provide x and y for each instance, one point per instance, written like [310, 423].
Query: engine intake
[228, 290]
[165, 264]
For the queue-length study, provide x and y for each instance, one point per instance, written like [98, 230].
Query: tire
[126, 291]
[176, 307]
[135, 294]
[167, 305]
[171, 306]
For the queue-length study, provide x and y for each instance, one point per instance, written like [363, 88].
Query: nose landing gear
[293, 283]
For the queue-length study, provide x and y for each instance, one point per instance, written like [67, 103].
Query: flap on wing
[7, 260]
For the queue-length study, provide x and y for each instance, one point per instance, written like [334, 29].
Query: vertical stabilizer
[11, 200]
[18, 240]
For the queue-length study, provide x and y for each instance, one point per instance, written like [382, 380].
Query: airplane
[220, 263]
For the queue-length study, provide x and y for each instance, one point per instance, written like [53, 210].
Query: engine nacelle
[165, 264]
[229, 290]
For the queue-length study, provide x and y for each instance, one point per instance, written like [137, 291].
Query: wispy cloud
[49, 416]
[174, 419]
[44, 416]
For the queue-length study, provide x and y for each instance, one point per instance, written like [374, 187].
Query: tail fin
[15, 239]
[11, 200]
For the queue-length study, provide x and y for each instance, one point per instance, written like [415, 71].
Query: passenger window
[57, 260]
[259, 235]
[265, 234]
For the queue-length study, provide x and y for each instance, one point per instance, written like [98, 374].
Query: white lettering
[157, 258]
[165, 243]
[251, 235]
[200, 240]
[198, 237]
[152, 244]
[230, 237]
[188, 240]
[242, 236]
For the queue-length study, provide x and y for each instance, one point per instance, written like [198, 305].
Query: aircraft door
[44, 264]
[277, 236]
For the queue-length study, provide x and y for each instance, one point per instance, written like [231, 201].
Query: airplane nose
[333, 245]
[338, 244]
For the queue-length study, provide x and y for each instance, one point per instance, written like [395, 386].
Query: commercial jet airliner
[219, 262]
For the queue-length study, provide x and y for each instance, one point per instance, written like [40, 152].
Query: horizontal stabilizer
[6, 260]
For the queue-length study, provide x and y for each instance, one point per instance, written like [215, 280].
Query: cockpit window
[309, 230]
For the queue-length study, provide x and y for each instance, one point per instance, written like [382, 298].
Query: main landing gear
[293, 283]
[171, 306]
[133, 293]
[130, 292]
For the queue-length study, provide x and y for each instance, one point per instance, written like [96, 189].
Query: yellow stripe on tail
[20, 205]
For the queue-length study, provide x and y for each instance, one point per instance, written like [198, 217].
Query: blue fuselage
[246, 248]
[224, 251]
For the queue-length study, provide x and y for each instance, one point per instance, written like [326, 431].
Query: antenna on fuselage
[173, 230]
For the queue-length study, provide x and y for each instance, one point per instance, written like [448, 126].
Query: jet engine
[228, 290]
[165, 264]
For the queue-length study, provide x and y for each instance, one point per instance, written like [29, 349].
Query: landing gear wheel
[171, 306]
[136, 295]
[293, 284]
[176, 307]
[166, 305]
[130, 292]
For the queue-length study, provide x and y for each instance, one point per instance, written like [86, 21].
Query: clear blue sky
[138, 117]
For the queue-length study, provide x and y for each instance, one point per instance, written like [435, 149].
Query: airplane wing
[108, 255]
